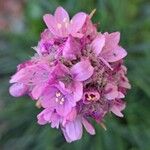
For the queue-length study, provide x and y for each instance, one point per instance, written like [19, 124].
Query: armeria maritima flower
[77, 74]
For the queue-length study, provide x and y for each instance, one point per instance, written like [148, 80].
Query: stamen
[62, 100]
[59, 99]
[61, 103]
[92, 96]
[58, 94]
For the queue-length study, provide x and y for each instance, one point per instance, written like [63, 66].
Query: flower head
[76, 74]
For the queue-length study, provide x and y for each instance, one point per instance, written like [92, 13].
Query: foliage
[18, 127]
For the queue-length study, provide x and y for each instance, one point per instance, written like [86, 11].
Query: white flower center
[59, 98]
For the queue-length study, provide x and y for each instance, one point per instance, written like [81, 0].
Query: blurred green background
[20, 26]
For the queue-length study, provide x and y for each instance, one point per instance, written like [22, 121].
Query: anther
[89, 98]
[62, 100]
[61, 103]
[58, 94]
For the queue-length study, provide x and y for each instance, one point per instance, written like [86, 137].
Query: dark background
[20, 26]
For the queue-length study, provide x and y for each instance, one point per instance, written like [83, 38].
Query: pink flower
[106, 47]
[61, 26]
[59, 98]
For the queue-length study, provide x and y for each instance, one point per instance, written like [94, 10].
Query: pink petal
[18, 89]
[44, 116]
[120, 104]
[74, 130]
[55, 120]
[60, 70]
[120, 95]
[68, 139]
[116, 111]
[47, 99]
[117, 107]
[46, 35]
[114, 54]
[64, 109]
[32, 74]
[19, 76]
[37, 90]
[61, 15]
[82, 70]
[111, 91]
[111, 51]
[51, 24]
[72, 115]
[71, 48]
[111, 95]
[124, 68]
[98, 44]
[112, 38]
[77, 88]
[62, 19]
[41, 120]
[106, 63]
[89, 128]
[77, 22]
[125, 84]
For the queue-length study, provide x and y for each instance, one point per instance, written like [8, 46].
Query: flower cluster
[77, 74]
